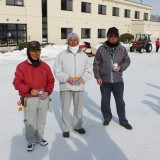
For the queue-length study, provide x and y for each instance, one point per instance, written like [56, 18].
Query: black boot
[127, 126]
[65, 134]
[105, 123]
[80, 131]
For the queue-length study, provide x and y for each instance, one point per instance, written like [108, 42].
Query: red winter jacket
[27, 76]
[157, 43]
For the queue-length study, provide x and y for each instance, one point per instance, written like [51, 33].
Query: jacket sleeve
[96, 64]
[126, 61]
[50, 81]
[19, 82]
[88, 70]
[58, 71]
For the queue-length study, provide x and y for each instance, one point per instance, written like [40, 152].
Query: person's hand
[45, 95]
[80, 81]
[117, 69]
[99, 81]
[71, 80]
[34, 92]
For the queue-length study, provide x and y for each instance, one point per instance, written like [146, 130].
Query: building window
[137, 15]
[101, 33]
[44, 22]
[12, 34]
[15, 2]
[44, 8]
[127, 13]
[44, 27]
[85, 33]
[3, 35]
[115, 11]
[86, 7]
[146, 16]
[102, 9]
[65, 32]
[67, 5]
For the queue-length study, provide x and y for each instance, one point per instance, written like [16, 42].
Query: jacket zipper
[75, 69]
[112, 65]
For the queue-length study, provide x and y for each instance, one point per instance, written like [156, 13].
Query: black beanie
[113, 30]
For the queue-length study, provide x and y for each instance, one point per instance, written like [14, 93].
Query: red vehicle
[86, 47]
[141, 43]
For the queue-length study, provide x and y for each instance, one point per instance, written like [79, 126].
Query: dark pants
[157, 48]
[117, 90]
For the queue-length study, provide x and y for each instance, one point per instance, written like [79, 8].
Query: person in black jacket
[110, 61]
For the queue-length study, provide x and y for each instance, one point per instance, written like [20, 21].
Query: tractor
[141, 43]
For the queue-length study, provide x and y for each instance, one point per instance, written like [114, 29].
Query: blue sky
[154, 3]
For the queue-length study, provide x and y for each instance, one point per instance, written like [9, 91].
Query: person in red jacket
[157, 44]
[34, 81]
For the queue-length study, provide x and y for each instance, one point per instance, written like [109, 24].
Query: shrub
[23, 45]
[45, 44]
[126, 38]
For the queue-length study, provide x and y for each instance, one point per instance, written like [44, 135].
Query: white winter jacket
[68, 64]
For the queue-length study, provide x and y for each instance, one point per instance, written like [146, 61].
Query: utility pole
[141, 1]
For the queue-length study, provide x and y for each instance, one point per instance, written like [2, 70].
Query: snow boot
[65, 134]
[80, 131]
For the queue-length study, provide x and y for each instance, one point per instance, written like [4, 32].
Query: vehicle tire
[141, 50]
[131, 49]
[149, 48]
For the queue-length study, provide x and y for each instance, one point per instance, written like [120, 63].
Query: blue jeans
[117, 90]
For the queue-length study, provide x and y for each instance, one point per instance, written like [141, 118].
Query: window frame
[101, 33]
[127, 13]
[86, 5]
[15, 3]
[85, 34]
[66, 33]
[64, 6]
[145, 17]
[14, 39]
[115, 11]
[101, 9]
[137, 15]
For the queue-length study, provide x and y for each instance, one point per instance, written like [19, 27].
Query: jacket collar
[107, 47]
[33, 64]
[69, 51]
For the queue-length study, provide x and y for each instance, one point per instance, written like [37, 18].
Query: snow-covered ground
[142, 86]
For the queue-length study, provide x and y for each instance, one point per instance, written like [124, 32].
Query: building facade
[52, 20]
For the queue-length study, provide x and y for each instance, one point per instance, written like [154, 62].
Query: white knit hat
[72, 35]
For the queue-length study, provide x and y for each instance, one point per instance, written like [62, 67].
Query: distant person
[72, 68]
[145, 41]
[34, 81]
[157, 44]
[110, 61]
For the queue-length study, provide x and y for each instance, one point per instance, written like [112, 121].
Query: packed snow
[113, 142]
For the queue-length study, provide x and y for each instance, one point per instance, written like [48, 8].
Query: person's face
[113, 38]
[35, 54]
[73, 41]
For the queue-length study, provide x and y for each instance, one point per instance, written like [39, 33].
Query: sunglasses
[113, 36]
[35, 52]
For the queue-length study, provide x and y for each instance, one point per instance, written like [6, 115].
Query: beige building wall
[34, 19]
[29, 14]
[146, 27]
[76, 19]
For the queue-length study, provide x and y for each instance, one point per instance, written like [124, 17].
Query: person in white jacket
[72, 68]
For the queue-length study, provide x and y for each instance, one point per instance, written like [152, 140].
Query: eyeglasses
[113, 36]
[35, 52]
